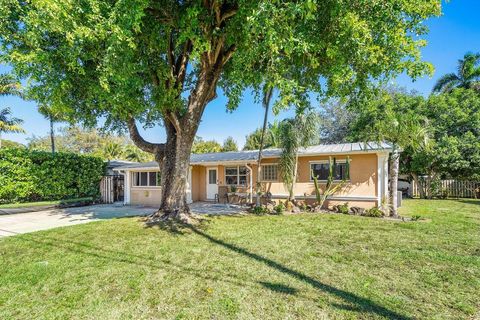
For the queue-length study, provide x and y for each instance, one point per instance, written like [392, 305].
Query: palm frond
[9, 85]
[446, 82]
[8, 123]
[466, 66]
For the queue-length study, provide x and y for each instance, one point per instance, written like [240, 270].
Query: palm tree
[468, 75]
[112, 150]
[392, 117]
[9, 86]
[52, 117]
[295, 133]
[8, 123]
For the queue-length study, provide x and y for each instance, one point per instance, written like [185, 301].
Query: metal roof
[252, 155]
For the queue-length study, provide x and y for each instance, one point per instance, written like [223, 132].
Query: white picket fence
[453, 188]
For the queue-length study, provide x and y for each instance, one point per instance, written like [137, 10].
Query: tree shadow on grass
[469, 201]
[361, 304]
[353, 301]
[279, 287]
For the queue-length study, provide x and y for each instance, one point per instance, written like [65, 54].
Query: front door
[212, 186]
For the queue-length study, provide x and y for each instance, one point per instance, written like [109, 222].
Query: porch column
[126, 195]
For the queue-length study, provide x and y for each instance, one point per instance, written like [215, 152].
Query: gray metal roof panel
[251, 155]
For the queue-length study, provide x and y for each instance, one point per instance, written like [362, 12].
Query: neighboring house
[212, 175]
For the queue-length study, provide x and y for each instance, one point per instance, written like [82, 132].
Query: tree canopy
[130, 58]
[229, 145]
[91, 142]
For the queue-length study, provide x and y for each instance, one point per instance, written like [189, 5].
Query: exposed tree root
[174, 216]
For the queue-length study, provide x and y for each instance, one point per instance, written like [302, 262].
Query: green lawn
[309, 266]
[42, 203]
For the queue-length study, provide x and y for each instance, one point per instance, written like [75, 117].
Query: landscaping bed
[302, 266]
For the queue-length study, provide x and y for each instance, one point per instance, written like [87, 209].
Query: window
[269, 172]
[321, 171]
[212, 176]
[146, 179]
[236, 175]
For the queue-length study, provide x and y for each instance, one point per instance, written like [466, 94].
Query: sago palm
[467, 76]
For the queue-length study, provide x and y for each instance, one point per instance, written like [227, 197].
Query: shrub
[27, 175]
[260, 210]
[374, 212]
[343, 208]
[279, 208]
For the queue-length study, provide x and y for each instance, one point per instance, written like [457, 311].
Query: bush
[27, 175]
[279, 208]
[374, 212]
[260, 210]
[343, 208]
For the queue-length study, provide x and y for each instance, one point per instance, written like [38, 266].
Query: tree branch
[154, 148]
[181, 64]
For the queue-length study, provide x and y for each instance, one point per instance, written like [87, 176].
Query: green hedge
[27, 175]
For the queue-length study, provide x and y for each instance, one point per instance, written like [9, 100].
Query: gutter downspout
[251, 182]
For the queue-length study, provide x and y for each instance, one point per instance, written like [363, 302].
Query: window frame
[238, 175]
[262, 172]
[138, 173]
[338, 161]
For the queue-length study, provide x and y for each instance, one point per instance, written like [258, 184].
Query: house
[212, 175]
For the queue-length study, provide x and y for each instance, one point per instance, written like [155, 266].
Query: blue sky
[450, 37]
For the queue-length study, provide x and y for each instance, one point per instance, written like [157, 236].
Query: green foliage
[279, 208]
[260, 210]
[374, 212]
[91, 142]
[392, 116]
[9, 123]
[467, 77]
[454, 149]
[229, 145]
[27, 175]
[202, 146]
[416, 217]
[271, 140]
[9, 85]
[295, 133]
[107, 58]
[11, 144]
[343, 208]
[330, 187]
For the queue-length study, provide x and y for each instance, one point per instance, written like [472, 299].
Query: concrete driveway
[12, 224]
[41, 220]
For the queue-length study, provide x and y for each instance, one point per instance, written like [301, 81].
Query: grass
[42, 203]
[307, 266]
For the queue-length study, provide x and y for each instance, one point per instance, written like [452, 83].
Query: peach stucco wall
[147, 196]
[363, 181]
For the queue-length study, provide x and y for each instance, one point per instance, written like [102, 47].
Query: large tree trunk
[394, 168]
[173, 156]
